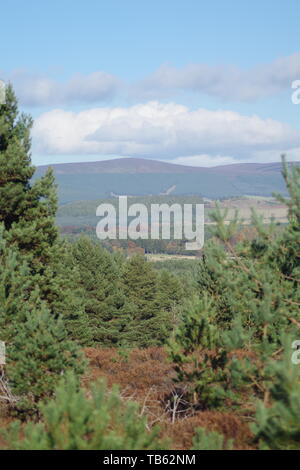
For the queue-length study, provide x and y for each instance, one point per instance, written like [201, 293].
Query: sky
[194, 82]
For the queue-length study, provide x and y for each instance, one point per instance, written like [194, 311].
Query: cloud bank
[36, 90]
[224, 82]
[228, 83]
[164, 131]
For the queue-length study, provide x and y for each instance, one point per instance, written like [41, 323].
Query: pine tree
[277, 426]
[127, 302]
[210, 440]
[74, 422]
[37, 347]
[149, 324]
[27, 210]
[37, 357]
[17, 290]
[170, 291]
[253, 296]
[198, 358]
[99, 281]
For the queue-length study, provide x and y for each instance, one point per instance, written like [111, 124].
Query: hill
[140, 177]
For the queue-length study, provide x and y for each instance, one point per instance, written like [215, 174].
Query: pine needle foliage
[249, 296]
[73, 421]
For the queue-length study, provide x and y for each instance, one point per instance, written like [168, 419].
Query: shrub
[277, 426]
[209, 440]
[37, 357]
[73, 421]
[251, 296]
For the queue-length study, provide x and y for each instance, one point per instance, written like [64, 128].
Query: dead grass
[181, 432]
[146, 376]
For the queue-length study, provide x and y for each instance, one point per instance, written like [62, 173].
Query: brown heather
[147, 377]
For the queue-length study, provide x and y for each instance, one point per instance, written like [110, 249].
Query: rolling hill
[134, 176]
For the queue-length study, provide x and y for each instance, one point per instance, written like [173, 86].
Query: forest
[106, 351]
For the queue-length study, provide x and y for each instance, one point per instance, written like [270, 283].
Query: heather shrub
[74, 420]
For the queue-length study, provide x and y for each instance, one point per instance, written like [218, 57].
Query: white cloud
[36, 90]
[226, 82]
[268, 156]
[229, 83]
[163, 131]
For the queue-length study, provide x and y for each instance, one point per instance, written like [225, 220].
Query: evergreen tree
[149, 324]
[17, 290]
[99, 281]
[37, 356]
[37, 347]
[277, 426]
[27, 210]
[127, 302]
[253, 296]
[170, 293]
[74, 422]
[210, 440]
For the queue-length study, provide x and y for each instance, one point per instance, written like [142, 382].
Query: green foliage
[210, 440]
[127, 302]
[74, 422]
[198, 359]
[37, 356]
[16, 169]
[38, 349]
[277, 426]
[16, 289]
[148, 323]
[251, 297]
[170, 291]
[38, 308]
[98, 278]
[27, 211]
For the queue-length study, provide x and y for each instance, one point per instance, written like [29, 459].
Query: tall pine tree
[27, 210]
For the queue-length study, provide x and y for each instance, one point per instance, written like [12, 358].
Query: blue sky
[191, 81]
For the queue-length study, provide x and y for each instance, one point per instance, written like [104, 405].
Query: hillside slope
[133, 176]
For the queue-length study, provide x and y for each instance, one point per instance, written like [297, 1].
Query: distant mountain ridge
[141, 165]
[120, 165]
[141, 177]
